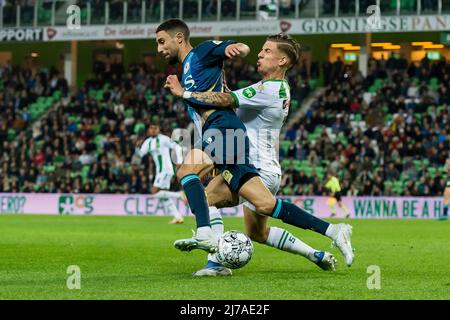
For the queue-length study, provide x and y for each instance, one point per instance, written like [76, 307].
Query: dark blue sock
[445, 211]
[296, 216]
[196, 196]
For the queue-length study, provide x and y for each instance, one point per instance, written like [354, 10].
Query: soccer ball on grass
[235, 249]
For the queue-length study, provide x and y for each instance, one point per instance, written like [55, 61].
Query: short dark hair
[287, 45]
[173, 26]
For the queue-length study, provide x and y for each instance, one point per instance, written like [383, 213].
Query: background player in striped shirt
[159, 147]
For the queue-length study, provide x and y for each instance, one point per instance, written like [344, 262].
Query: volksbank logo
[75, 204]
[249, 92]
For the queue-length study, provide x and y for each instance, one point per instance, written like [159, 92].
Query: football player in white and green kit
[159, 146]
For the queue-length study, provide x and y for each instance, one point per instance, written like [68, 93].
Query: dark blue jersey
[202, 71]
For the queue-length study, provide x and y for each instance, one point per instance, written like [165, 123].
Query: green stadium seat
[284, 145]
[298, 166]
[98, 141]
[417, 163]
[11, 135]
[243, 83]
[372, 89]
[432, 171]
[85, 172]
[418, 116]
[49, 168]
[99, 95]
[308, 171]
[138, 127]
[294, 105]
[59, 159]
[285, 163]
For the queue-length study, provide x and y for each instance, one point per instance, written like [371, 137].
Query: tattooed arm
[217, 99]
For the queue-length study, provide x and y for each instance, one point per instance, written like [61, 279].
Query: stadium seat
[138, 127]
[85, 172]
[294, 105]
[312, 84]
[11, 134]
[285, 144]
[297, 164]
[285, 163]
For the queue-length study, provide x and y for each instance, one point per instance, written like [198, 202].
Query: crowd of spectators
[87, 141]
[384, 134]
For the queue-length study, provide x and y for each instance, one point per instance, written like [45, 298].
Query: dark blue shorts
[225, 141]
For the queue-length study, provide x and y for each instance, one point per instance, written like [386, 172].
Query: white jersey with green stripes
[159, 147]
[263, 107]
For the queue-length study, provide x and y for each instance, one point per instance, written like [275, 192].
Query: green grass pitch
[133, 258]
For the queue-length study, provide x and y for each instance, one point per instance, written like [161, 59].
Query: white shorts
[271, 180]
[162, 180]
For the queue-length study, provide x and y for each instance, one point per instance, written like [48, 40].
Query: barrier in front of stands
[147, 205]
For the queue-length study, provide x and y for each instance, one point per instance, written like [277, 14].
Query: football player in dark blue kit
[202, 69]
[221, 128]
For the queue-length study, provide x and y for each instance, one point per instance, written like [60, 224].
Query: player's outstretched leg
[340, 233]
[283, 240]
[213, 267]
[264, 202]
[278, 238]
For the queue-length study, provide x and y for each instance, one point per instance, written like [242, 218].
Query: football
[235, 249]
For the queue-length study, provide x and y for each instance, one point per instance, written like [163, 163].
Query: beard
[172, 60]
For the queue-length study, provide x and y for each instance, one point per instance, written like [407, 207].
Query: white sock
[167, 194]
[204, 231]
[283, 240]
[171, 209]
[216, 221]
[331, 231]
[216, 226]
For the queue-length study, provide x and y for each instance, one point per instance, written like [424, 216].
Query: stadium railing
[54, 13]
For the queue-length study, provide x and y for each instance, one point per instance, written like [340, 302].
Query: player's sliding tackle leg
[265, 203]
[194, 166]
[259, 231]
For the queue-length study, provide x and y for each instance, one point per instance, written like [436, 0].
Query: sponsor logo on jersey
[189, 83]
[249, 93]
[227, 176]
[186, 67]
